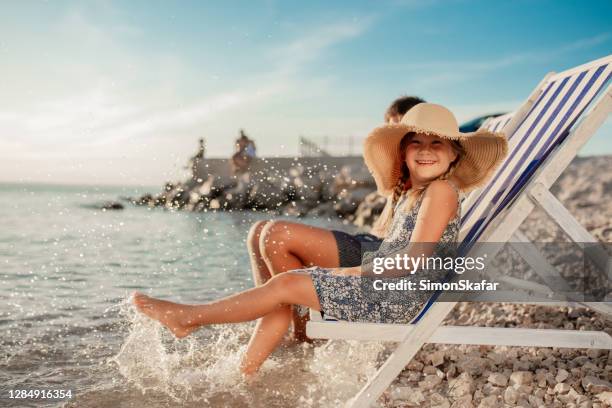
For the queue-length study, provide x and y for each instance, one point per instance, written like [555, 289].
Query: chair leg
[402, 355]
[549, 203]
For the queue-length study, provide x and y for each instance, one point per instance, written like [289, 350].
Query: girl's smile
[423, 162]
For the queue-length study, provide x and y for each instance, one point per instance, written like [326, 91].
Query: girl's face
[428, 157]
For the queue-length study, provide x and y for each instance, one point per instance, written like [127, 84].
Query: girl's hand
[355, 271]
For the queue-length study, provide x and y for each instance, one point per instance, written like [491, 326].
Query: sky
[118, 92]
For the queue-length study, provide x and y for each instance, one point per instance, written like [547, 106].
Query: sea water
[67, 269]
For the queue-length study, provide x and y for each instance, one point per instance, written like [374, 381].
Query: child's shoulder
[442, 190]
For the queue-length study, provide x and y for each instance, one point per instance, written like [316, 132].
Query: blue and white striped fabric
[497, 123]
[561, 104]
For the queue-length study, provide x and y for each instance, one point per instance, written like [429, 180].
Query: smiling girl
[425, 148]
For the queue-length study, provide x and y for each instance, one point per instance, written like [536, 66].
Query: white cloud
[109, 103]
[311, 45]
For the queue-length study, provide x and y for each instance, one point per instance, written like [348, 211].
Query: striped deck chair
[544, 136]
[497, 123]
[543, 269]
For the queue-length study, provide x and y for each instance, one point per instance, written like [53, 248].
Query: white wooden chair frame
[504, 229]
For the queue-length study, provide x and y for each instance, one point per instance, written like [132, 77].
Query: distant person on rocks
[197, 158]
[244, 155]
[250, 150]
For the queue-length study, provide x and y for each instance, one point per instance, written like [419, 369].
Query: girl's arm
[439, 206]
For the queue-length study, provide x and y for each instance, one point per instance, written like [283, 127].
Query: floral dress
[352, 298]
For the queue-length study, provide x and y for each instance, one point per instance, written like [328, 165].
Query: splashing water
[194, 368]
[204, 367]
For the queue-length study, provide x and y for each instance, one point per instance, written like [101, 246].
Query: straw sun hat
[484, 150]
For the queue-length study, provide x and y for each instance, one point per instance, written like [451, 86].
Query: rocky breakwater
[317, 189]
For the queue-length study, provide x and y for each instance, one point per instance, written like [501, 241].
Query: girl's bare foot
[172, 315]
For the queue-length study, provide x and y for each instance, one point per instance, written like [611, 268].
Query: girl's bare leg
[260, 270]
[287, 246]
[291, 288]
[271, 328]
[268, 334]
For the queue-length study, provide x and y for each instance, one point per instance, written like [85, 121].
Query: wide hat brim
[484, 151]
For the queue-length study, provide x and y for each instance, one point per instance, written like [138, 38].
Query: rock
[461, 385]
[521, 378]
[214, 204]
[146, 199]
[263, 195]
[595, 385]
[574, 395]
[437, 358]
[582, 398]
[408, 395]
[175, 197]
[594, 353]
[307, 189]
[523, 389]
[451, 371]
[579, 361]
[323, 210]
[549, 362]
[463, 402]
[561, 388]
[430, 382]
[498, 379]
[490, 402]
[521, 365]
[535, 401]
[369, 209]
[541, 378]
[562, 375]
[496, 358]
[473, 365]
[349, 200]
[212, 187]
[353, 176]
[438, 401]
[400, 393]
[413, 376]
[111, 205]
[511, 395]
[430, 370]
[589, 366]
[490, 389]
[415, 365]
[605, 397]
[295, 209]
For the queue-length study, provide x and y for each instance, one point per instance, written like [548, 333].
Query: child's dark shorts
[352, 247]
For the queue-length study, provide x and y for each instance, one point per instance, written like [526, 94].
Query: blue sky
[118, 92]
